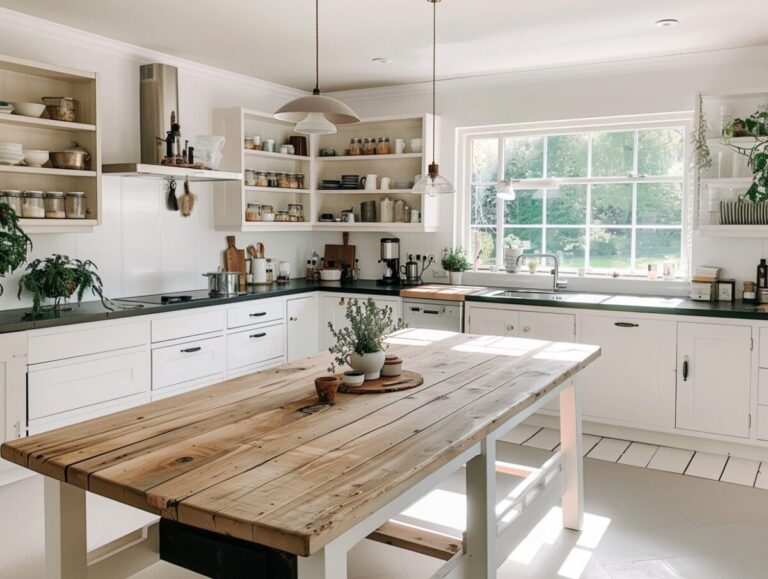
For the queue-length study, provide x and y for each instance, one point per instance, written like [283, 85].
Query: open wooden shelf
[167, 172]
[359, 226]
[276, 226]
[276, 190]
[271, 155]
[45, 171]
[57, 225]
[365, 192]
[734, 230]
[36, 122]
[391, 157]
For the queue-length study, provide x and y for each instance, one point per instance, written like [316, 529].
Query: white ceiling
[273, 39]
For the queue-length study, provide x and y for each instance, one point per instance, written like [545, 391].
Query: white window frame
[683, 119]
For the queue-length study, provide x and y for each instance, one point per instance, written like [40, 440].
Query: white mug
[369, 182]
[415, 216]
[399, 146]
[385, 181]
[416, 145]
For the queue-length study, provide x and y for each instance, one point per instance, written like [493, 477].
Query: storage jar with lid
[13, 198]
[282, 216]
[300, 180]
[295, 212]
[293, 182]
[354, 148]
[261, 179]
[75, 202]
[249, 178]
[32, 205]
[253, 212]
[387, 210]
[54, 205]
[383, 147]
[271, 179]
[399, 212]
[282, 180]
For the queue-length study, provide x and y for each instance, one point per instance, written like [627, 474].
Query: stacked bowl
[11, 153]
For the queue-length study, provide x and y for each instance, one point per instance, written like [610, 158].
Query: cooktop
[175, 297]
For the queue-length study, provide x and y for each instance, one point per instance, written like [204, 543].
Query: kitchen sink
[550, 295]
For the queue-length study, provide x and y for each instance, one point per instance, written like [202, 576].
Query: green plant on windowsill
[14, 243]
[755, 126]
[455, 260]
[57, 278]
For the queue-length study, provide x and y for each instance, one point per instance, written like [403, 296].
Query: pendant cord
[317, 48]
[434, 73]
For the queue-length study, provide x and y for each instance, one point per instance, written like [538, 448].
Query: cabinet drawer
[255, 346]
[255, 312]
[64, 386]
[764, 347]
[196, 361]
[189, 323]
[95, 339]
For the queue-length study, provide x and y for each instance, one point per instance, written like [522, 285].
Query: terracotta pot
[353, 378]
[325, 387]
[370, 364]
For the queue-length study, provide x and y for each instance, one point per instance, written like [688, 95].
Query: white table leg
[330, 562]
[573, 462]
[481, 513]
[66, 545]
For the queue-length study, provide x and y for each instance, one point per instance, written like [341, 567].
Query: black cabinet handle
[414, 309]
[685, 369]
[259, 335]
[626, 325]
[431, 312]
[190, 350]
[258, 314]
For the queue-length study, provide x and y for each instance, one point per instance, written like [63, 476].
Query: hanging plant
[57, 278]
[755, 126]
[702, 154]
[14, 243]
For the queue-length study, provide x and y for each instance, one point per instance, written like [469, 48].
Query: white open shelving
[232, 199]
[27, 81]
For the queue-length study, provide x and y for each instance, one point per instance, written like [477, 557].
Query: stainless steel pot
[75, 158]
[223, 283]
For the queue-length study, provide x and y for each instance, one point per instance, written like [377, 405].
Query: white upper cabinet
[633, 381]
[713, 378]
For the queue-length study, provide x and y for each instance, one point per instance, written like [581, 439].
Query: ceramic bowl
[267, 216]
[330, 274]
[28, 109]
[35, 158]
[353, 378]
[10, 159]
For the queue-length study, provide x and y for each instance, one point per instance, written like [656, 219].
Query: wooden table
[245, 459]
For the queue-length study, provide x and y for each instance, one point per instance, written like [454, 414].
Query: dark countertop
[21, 319]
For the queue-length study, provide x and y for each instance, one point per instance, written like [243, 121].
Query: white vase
[454, 277]
[371, 364]
[510, 258]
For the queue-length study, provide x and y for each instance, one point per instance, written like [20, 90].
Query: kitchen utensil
[284, 272]
[234, 259]
[223, 283]
[251, 250]
[28, 109]
[399, 146]
[369, 182]
[61, 108]
[368, 211]
[259, 270]
[35, 158]
[74, 158]
[330, 274]
[341, 256]
[187, 201]
[172, 202]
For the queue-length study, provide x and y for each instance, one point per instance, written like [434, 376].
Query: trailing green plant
[755, 126]
[702, 154]
[14, 243]
[58, 277]
[368, 327]
[455, 259]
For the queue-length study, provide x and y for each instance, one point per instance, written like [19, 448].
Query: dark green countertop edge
[17, 320]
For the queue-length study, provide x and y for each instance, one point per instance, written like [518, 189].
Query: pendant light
[433, 183]
[317, 114]
[506, 190]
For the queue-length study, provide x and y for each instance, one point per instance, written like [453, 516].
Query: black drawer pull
[626, 325]
[431, 312]
[259, 335]
[190, 350]
[414, 309]
[258, 314]
[685, 369]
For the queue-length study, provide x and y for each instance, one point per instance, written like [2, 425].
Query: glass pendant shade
[433, 183]
[315, 124]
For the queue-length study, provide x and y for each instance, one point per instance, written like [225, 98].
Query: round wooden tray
[404, 381]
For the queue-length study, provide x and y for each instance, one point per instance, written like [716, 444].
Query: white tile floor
[639, 523]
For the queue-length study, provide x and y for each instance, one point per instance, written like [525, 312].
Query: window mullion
[633, 234]
[500, 204]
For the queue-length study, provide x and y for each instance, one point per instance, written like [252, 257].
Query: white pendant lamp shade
[316, 114]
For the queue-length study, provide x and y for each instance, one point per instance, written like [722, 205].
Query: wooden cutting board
[382, 385]
[340, 255]
[234, 260]
[441, 292]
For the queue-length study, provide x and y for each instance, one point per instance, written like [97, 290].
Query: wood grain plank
[422, 541]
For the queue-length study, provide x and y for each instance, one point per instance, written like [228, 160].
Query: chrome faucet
[557, 283]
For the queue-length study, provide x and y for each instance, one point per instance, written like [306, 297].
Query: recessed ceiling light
[381, 60]
[667, 22]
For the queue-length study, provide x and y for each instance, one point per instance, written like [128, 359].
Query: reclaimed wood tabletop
[256, 458]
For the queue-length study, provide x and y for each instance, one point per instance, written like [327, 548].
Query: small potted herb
[361, 344]
[57, 278]
[326, 386]
[14, 243]
[455, 262]
[513, 249]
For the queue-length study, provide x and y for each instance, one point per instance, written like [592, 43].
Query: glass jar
[32, 205]
[296, 212]
[282, 216]
[271, 179]
[383, 147]
[261, 179]
[250, 178]
[399, 214]
[366, 150]
[354, 149]
[300, 180]
[293, 182]
[75, 203]
[13, 198]
[54, 205]
[407, 214]
[267, 209]
[282, 180]
[253, 212]
[387, 210]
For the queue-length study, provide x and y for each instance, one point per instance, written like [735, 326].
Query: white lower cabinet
[713, 378]
[333, 308]
[492, 321]
[302, 327]
[255, 348]
[13, 392]
[633, 381]
[189, 364]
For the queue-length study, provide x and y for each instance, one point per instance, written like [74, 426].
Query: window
[619, 206]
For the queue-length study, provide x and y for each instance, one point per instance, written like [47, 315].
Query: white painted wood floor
[640, 523]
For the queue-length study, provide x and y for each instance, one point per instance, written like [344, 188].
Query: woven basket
[743, 213]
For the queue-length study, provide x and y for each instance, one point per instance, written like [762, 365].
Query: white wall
[642, 87]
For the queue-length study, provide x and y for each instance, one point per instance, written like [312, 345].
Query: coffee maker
[390, 257]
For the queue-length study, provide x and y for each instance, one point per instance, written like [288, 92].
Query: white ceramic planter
[353, 380]
[510, 258]
[454, 277]
[371, 364]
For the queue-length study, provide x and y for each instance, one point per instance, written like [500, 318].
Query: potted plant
[513, 249]
[58, 277]
[14, 243]
[756, 152]
[326, 386]
[361, 344]
[455, 262]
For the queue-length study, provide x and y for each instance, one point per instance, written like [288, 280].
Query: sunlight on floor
[440, 507]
